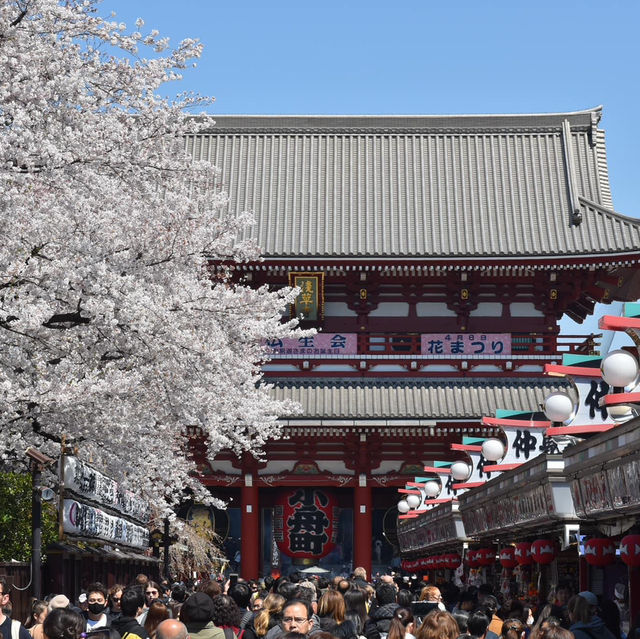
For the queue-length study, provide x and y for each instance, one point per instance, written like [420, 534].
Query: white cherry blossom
[115, 332]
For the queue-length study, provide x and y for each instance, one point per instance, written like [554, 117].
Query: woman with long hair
[401, 625]
[355, 600]
[438, 625]
[157, 613]
[39, 611]
[332, 612]
[269, 616]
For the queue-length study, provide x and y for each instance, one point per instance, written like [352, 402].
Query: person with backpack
[10, 628]
[228, 616]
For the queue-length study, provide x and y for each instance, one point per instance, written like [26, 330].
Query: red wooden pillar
[362, 525]
[634, 593]
[250, 530]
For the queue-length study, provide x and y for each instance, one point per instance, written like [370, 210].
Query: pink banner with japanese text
[320, 344]
[465, 344]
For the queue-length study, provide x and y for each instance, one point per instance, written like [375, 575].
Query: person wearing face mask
[97, 613]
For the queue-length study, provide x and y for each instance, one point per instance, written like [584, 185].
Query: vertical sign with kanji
[306, 523]
[309, 304]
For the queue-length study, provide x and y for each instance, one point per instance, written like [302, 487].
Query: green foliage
[15, 518]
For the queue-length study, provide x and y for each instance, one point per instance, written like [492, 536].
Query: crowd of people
[299, 608]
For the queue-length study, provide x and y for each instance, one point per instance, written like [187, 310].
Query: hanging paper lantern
[429, 563]
[508, 557]
[486, 556]
[523, 553]
[472, 559]
[543, 551]
[630, 550]
[453, 561]
[600, 551]
[307, 522]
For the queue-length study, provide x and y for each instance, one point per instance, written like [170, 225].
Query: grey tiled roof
[420, 186]
[413, 399]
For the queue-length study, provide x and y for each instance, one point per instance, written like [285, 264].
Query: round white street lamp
[413, 500]
[559, 407]
[620, 369]
[460, 471]
[493, 449]
[432, 488]
[403, 507]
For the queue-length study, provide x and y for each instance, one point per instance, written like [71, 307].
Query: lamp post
[167, 543]
[38, 463]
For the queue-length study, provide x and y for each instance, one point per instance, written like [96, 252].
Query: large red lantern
[600, 551]
[508, 557]
[472, 559]
[543, 551]
[430, 563]
[523, 553]
[453, 560]
[630, 550]
[440, 561]
[306, 523]
[486, 556]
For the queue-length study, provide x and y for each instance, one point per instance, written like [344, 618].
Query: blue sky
[417, 56]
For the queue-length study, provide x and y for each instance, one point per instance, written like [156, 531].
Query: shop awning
[603, 472]
[530, 498]
[437, 529]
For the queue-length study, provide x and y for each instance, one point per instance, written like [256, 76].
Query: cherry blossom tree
[115, 333]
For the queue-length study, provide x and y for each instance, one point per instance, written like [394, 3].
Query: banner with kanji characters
[319, 344]
[305, 522]
[465, 344]
[309, 305]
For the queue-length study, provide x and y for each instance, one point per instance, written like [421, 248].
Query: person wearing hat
[59, 601]
[197, 615]
[585, 623]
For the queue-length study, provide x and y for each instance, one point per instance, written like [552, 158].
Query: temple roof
[395, 399]
[429, 187]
